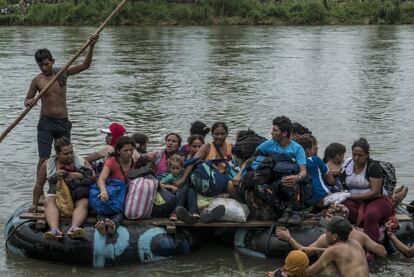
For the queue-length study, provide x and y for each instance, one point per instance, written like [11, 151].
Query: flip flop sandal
[75, 232]
[111, 226]
[100, 227]
[53, 235]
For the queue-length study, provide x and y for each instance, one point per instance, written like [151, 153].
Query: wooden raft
[40, 219]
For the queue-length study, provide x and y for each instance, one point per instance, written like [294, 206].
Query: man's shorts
[48, 129]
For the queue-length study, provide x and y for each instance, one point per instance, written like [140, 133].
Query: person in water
[345, 253]
[65, 158]
[296, 263]
[407, 251]
[321, 243]
[53, 122]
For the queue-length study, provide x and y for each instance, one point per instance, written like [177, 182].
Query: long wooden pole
[63, 69]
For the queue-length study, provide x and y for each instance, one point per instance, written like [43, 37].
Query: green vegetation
[214, 12]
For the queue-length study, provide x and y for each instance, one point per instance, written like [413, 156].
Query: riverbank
[216, 12]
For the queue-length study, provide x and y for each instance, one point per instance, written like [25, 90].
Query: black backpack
[246, 145]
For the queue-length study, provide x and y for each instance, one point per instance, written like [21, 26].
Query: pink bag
[140, 197]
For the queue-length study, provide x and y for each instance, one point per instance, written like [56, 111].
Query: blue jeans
[187, 198]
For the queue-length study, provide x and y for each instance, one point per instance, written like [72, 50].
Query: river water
[342, 82]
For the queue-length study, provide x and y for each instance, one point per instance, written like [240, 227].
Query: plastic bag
[235, 211]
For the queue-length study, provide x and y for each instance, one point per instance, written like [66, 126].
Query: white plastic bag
[336, 198]
[235, 211]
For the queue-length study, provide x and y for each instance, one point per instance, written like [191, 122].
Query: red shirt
[115, 170]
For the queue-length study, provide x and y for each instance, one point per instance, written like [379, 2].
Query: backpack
[208, 181]
[258, 172]
[389, 177]
[246, 146]
[140, 197]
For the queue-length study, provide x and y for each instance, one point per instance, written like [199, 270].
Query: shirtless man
[53, 122]
[322, 243]
[346, 254]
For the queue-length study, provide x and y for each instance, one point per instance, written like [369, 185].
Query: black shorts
[48, 129]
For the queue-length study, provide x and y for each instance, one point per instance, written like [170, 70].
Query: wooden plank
[166, 222]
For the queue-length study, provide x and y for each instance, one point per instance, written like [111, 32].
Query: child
[317, 170]
[194, 143]
[186, 195]
[334, 158]
[141, 141]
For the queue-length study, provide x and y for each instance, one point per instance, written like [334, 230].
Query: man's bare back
[347, 256]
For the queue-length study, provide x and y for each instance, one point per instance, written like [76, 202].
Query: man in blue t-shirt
[282, 143]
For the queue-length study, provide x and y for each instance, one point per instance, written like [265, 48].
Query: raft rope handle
[269, 235]
[14, 230]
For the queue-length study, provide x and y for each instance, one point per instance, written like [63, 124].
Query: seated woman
[368, 207]
[64, 158]
[160, 157]
[113, 133]
[115, 168]
[197, 128]
[219, 148]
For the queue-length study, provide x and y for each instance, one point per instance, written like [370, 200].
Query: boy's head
[175, 164]
[337, 229]
[44, 60]
[145, 161]
[308, 143]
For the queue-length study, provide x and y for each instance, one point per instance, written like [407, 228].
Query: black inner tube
[14, 230]
[269, 235]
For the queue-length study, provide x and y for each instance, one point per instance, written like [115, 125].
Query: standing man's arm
[75, 69]
[29, 101]
[325, 259]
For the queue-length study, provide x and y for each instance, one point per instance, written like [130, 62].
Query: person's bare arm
[102, 183]
[38, 189]
[284, 234]
[93, 157]
[404, 249]
[201, 153]
[75, 69]
[291, 180]
[31, 93]
[324, 260]
[329, 178]
[372, 247]
[375, 191]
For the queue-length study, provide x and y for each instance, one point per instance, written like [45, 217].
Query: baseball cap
[337, 225]
[114, 127]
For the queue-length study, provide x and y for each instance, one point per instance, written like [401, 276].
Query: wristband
[289, 238]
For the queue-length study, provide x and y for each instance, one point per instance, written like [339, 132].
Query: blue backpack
[208, 181]
[116, 193]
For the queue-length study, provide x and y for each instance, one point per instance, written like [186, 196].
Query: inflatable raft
[263, 243]
[133, 243]
[158, 239]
